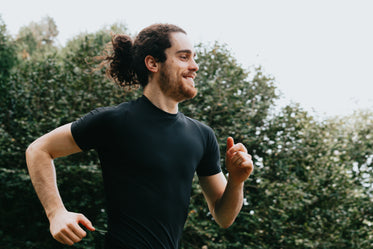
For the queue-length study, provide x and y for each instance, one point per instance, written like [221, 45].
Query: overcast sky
[320, 52]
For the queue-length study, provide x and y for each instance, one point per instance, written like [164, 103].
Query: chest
[170, 149]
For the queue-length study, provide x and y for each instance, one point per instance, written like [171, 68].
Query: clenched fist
[65, 228]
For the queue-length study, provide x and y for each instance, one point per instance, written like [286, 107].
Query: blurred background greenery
[311, 188]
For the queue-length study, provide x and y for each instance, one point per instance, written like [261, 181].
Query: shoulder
[206, 133]
[93, 129]
[108, 112]
[204, 128]
[100, 118]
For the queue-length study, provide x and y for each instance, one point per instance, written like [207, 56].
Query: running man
[148, 150]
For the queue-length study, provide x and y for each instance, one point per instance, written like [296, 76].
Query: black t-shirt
[148, 159]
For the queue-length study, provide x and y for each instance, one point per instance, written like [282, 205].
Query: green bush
[311, 187]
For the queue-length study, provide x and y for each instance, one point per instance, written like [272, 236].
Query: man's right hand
[64, 226]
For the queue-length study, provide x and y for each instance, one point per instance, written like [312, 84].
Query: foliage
[37, 37]
[354, 145]
[7, 53]
[312, 186]
[8, 61]
[24, 224]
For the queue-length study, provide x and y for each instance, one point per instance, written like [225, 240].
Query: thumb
[85, 222]
[230, 143]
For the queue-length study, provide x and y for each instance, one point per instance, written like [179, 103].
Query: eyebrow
[185, 51]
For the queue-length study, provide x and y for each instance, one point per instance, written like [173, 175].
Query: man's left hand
[238, 162]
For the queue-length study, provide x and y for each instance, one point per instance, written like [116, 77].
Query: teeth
[190, 79]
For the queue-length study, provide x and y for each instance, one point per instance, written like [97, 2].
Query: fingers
[230, 143]
[85, 222]
[241, 158]
[237, 153]
[65, 227]
[77, 231]
[238, 162]
[70, 235]
[62, 238]
[74, 234]
[236, 148]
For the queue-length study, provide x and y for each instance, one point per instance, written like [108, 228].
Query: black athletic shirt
[148, 159]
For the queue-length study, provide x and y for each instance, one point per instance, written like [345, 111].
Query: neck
[160, 100]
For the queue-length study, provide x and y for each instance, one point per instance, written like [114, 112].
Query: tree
[354, 145]
[311, 187]
[7, 53]
[8, 60]
[37, 36]
[234, 102]
[305, 189]
[47, 90]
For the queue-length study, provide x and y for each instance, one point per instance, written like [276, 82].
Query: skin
[64, 225]
[224, 196]
[170, 83]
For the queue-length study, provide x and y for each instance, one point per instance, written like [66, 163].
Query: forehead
[180, 41]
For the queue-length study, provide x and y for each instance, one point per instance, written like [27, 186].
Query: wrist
[232, 182]
[51, 213]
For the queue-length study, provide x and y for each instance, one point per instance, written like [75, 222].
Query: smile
[190, 79]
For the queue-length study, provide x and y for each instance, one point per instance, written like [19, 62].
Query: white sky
[320, 52]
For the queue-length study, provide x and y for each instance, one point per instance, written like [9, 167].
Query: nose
[193, 66]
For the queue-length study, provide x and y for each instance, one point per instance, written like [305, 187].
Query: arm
[225, 198]
[64, 225]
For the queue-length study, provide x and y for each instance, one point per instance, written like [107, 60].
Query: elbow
[29, 152]
[224, 219]
[33, 152]
[225, 224]
[31, 149]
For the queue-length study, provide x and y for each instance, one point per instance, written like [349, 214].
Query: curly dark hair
[125, 60]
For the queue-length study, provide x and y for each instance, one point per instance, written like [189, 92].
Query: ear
[151, 64]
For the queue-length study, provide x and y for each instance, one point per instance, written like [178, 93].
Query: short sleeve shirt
[148, 159]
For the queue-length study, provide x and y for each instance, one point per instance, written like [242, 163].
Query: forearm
[43, 176]
[229, 205]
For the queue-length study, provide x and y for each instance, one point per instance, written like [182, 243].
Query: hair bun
[122, 46]
[121, 66]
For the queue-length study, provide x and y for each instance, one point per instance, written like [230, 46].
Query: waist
[112, 243]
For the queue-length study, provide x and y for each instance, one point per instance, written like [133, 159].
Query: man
[149, 152]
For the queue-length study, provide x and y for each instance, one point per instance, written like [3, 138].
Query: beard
[175, 87]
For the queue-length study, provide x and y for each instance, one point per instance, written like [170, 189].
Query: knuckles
[70, 243]
[67, 232]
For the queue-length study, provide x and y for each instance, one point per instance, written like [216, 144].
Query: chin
[185, 94]
[190, 94]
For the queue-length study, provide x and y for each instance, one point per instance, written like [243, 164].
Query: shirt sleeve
[210, 163]
[88, 131]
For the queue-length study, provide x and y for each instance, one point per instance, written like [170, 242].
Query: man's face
[177, 73]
